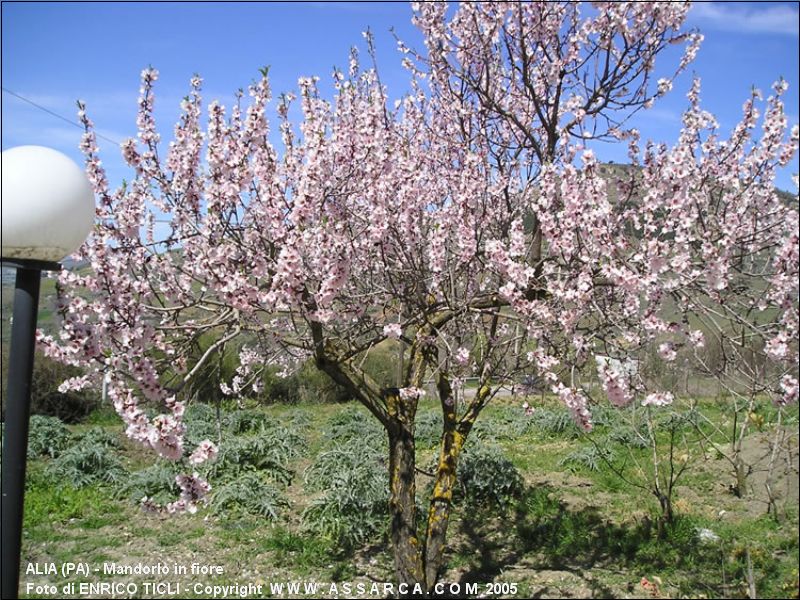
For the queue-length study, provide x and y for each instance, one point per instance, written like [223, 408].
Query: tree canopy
[472, 221]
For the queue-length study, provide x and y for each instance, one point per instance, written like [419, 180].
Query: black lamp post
[47, 211]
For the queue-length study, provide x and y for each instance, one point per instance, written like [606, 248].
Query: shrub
[199, 412]
[296, 421]
[428, 431]
[555, 422]
[97, 436]
[46, 400]
[381, 363]
[605, 415]
[267, 451]
[47, 436]
[486, 477]
[86, 462]
[353, 480]
[355, 423]
[279, 389]
[631, 436]
[157, 482]
[221, 367]
[244, 421]
[309, 384]
[589, 457]
[505, 422]
[249, 492]
[201, 424]
[247, 475]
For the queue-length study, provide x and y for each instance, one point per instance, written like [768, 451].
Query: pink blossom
[667, 351]
[696, 338]
[664, 86]
[393, 330]
[473, 210]
[411, 393]
[206, 450]
[789, 386]
[575, 401]
[777, 347]
[166, 436]
[616, 381]
[658, 399]
[193, 491]
[462, 356]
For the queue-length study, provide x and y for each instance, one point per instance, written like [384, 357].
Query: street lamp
[47, 212]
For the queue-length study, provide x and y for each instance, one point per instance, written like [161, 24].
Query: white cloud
[779, 19]
[661, 114]
[57, 137]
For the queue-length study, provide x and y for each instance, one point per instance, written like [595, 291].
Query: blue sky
[56, 53]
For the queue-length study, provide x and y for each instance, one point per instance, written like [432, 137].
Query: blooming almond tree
[470, 221]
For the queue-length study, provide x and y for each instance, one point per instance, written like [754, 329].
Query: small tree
[470, 221]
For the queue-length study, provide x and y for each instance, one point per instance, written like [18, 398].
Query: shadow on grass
[540, 532]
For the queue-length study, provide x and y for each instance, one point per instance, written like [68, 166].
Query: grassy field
[556, 520]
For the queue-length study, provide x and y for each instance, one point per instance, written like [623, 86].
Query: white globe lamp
[47, 212]
[48, 204]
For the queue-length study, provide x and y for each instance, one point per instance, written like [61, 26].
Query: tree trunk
[667, 516]
[742, 470]
[403, 509]
[441, 504]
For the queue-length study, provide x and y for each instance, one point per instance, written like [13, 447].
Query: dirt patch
[772, 483]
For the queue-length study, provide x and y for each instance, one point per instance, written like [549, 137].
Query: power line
[50, 112]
